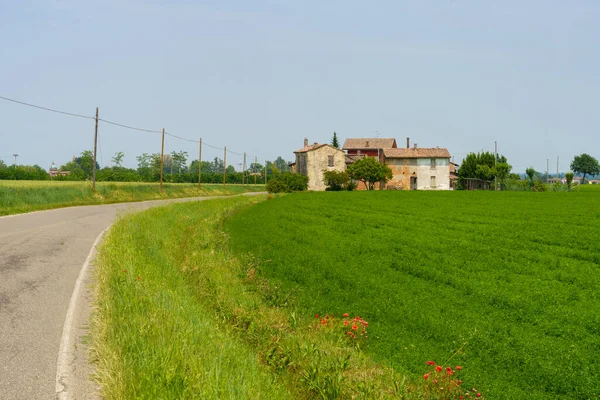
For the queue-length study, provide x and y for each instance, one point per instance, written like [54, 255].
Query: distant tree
[484, 166]
[531, 173]
[86, 162]
[255, 167]
[368, 170]
[586, 165]
[230, 169]
[118, 159]
[2, 164]
[281, 164]
[569, 177]
[335, 180]
[218, 165]
[179, 160]
[334, 141]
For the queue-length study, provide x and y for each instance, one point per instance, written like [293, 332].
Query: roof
[369, 143]
[419, 152]
[314, 147]
[350, 159]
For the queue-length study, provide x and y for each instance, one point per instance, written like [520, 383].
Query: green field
[25, 196]
[511, 278]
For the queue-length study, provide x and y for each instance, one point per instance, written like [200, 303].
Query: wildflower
[441, 388]
[438, 368]
[449, 371]
[324, 321]
[478, 395]
[461, 397]
[459, 382]
[354, 327]
[435, 381]
[425, 376]
[346, 322]
[139, 278]
[458, 367]
[124, 270]
[430, 363]
[345, 315]
[317, 316]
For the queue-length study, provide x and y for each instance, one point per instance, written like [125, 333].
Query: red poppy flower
[438, 368]
[425, 376]
[317, 316]
[354, 327]
[346, 323]
[478, 394]
[449, 371]
[458, 367]
[345, 315]
[430, 363]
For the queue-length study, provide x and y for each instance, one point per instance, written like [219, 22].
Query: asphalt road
[41, 256]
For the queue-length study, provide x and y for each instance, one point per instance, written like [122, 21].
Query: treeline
[175, 169]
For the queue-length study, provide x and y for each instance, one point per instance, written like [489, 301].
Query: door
[413, 183]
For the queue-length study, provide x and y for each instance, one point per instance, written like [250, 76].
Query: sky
[259, 76]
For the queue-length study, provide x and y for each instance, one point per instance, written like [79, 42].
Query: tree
[281, 164]
[484, 166]
[586, 165]
[86, 162]
[335, 180]
[530, 172]
[569, 177]
[368, 170]
[287, 182]
[2, 164]
[334, 141]
[179, 160]
[118, 158]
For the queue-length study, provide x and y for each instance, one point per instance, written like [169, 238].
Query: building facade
[313, 160]
[418, 168]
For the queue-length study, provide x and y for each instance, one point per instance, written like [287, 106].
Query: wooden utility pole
[265, 172]
[556, 167]
[244, 171]
[495, 162]
[254, 169]
[162, 158]
[200, 164]
[547, 168]
[95, 151]
[224, 164]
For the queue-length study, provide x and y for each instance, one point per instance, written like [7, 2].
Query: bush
[335, 180]
[287, 182]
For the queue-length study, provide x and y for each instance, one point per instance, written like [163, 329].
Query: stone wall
[404, 168]
[318, 162]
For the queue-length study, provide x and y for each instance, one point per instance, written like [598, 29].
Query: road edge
[66, 352]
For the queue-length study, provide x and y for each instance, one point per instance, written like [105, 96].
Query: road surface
[41, 256]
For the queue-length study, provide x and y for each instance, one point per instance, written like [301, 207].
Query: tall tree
[484, 166]
[334, 141]
[368, 170]
[281, 164]
[118, 158]
[586, 165]
[179, 160]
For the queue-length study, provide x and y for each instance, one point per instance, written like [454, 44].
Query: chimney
[316, 143]
[305, 142]
[415, 146]
[408, 143]
[367, 144]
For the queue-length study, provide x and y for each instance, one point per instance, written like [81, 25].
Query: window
[433, 182]
[433, 163]
[330, 161]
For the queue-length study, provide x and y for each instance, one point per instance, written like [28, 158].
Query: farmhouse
[370, 147]
[313, 160]
[418, 168]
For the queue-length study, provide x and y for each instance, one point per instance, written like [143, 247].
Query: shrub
[335, 180]
[287, 182]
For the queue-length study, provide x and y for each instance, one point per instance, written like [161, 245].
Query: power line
[46, 108]
[129, 127]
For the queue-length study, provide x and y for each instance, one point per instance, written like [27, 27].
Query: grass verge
[178, 316]
[25, 196]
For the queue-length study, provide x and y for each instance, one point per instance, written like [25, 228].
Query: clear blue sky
[258, 76]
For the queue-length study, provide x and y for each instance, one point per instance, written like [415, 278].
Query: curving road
[41, 256]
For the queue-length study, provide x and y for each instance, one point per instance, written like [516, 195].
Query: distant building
[54, 171]
[418, 168]
[313, 160]
[370, 147]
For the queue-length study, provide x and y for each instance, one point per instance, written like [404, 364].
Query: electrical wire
[46, 108]
[129, 127]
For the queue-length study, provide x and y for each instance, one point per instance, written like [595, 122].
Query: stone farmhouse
[313, 160]
[413, 168]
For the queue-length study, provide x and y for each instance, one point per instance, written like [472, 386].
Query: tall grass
[178, 316]
[25, 196]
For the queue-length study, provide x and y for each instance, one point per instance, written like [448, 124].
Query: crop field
[505, 284]
[24, 196]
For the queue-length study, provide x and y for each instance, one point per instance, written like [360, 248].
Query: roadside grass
[26, 196]
[515, 275]
[177, 316]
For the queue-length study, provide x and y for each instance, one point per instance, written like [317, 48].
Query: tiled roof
[314, 147]
[417, 153]
[350, 159]
[369, 143]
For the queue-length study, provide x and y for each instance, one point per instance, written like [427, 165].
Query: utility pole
[224, 164]
[15, 156]
[547, 168]
[162, 158]
[265, 172]
[556, 167]
[244, 171]
[254, 169]
[95, 150]
[495, 163]
[200, 164]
